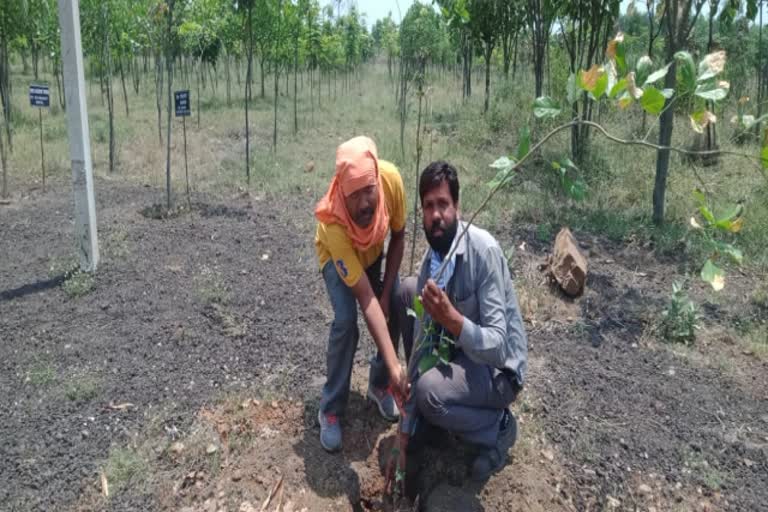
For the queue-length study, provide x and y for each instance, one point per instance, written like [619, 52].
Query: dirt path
[188, 374]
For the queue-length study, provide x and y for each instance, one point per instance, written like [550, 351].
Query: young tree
[679, 19]
[512, 20]
[585, 29]
[170, 44]
[485, 23]
[10, 23]
[420, 42]
[277, 36]
[541, 16]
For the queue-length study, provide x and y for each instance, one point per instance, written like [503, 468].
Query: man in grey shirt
[472, 302]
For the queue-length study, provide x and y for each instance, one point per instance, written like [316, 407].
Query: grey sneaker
[385, 402]
[330, 431]
[495, 458]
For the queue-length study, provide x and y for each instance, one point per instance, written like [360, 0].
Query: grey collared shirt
[481, 290]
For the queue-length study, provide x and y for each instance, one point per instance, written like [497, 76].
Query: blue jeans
[344, 336]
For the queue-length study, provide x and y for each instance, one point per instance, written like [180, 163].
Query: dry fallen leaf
[104, 485]
[120, 407]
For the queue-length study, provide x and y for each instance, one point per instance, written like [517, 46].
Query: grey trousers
[345, 335]
[464, 397]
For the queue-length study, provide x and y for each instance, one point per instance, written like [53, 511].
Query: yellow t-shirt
[332, 242]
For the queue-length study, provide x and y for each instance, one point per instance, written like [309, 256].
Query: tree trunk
[760, 79]
[159, 96]
[107, 60]
[125, 92]
[136, 76]
[169, 67]
[312, 94]
[488, 54]
[5, 89]
[229, 80]
[277, 93]
[199, 73]
[711, 133]
[263, 91]
[35, 60]
[296, 87]
[248, 91]
[4, 164]
[662, 159]
[514, 57]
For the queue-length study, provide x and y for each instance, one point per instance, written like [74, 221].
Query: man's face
[362, 204]
[440, 217]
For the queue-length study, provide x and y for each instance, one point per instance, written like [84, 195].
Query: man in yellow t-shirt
[365, 202]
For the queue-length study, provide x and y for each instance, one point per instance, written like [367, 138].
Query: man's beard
[442, 243]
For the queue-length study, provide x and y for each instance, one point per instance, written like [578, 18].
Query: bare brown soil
[187, 373]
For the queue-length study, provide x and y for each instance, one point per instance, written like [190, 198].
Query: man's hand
[395, 471]
[399, 387]
[439, 307]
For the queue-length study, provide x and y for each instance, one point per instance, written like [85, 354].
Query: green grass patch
[81, 388]
[41, 374]
[78, 284]
[124, 468]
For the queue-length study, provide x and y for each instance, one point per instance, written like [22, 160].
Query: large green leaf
[505, 174]
[427, 362]
[418, 307]
[620, 87]
[750, 121]
[524, 143]
[732, 213]
[652, 100]
[621, 59]
[643, 69]
[703, 206]
[503, 164]
[731, 220]
[711, 91]
[656, 75]
[732, 252]
[444, 352]
[686, 72]
[764, 157]
[713, 275]
[600, 86]
[576, 189]
[545, 107]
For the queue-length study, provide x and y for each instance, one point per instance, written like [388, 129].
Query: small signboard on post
[183, 111]
[39, 96]
[182, 103]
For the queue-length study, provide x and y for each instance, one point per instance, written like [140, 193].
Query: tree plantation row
[228, 48]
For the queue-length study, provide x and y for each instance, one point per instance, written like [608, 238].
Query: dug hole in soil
[186, 375]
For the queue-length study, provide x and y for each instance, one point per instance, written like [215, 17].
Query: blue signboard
[182, 103]
[39, 95]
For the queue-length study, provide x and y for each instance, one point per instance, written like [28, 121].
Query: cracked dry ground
[186, 375]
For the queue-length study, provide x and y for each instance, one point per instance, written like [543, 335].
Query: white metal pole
[79, 135]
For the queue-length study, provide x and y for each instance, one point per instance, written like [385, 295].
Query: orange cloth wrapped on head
[357, 167]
